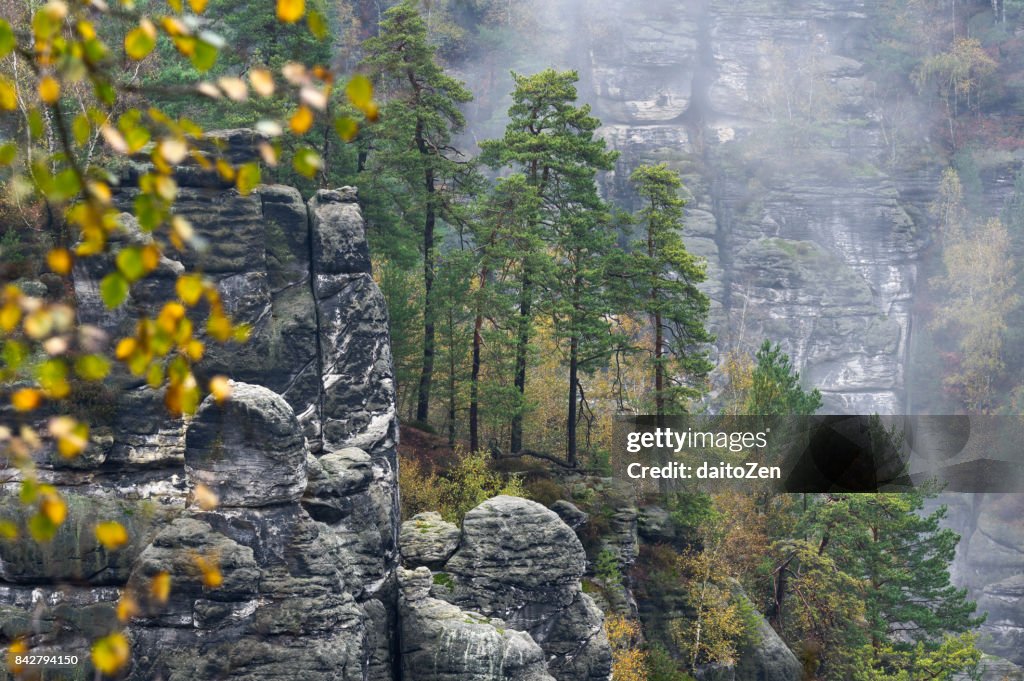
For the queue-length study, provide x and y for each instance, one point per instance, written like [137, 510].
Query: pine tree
[507, 243]
[894, 559]
[775, 388]
[551, 141]
[412, 148]
[666, 276]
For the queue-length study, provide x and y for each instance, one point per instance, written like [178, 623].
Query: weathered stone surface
[339, 240]
[441, 642]
[74, 554]
[654, 524]
[518, 561]
[249, 450]
[282, 610]
[988, 563]
[427, 539]
[570, 514]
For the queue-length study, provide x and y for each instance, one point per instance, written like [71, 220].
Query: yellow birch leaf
[49, 89]
[110, 653]
[111, 534]
[262, 82]
[59, 260]
[301, 121]
[25, 399]
[220, 388]
[160, 587]
[189, 288]
[205, 497]
[234, 88]
[53, 508]
[127, 608]
[290, 11]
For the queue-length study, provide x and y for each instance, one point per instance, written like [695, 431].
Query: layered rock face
[293, 572]
[809, 234]
[989, 564]
[302, 458]
[283, 603]
[512, 584]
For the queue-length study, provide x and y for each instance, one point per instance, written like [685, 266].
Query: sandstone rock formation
[517, 562]
[989, 564]
[428, 540]
[442, 641]
[292, 574]
[284, 603]
[302, 459]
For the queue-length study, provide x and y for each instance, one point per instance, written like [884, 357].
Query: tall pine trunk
[659, 336]
[474, 377]
[570, 440]
[427, 372]
[522, 347]
[659, 368]
[474, 387]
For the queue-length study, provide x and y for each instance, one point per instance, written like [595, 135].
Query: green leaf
[81, 129]
[113, 289]
[129, 261]
[346, 127]
[105, 92]
[136, 138]
[204, 56]
[65, 185]
[95, 50]
[7, 40]
[148, 212]
[248, 177]
[92, 367]
[29, 491]
[155, 375]
[41, 528]
[138, 43]
[35, 124]
[359, 91]
[13, 354]
[51, 371]
[317, 25]
[8, 152]
[307, 162]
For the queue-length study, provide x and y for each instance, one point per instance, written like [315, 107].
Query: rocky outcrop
[811, 231]
[274, 514]
[303, 538]
[988, 564]
[427, 540]
[518, 562]
[766, 658]
[248, 451]
[259, 589]
[441, 641]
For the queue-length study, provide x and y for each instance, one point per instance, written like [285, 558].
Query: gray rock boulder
[441, 642]
[427, 539]
[570, 514]
[339, 240]
[280, 606]
[249, 450]
[519, 562]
